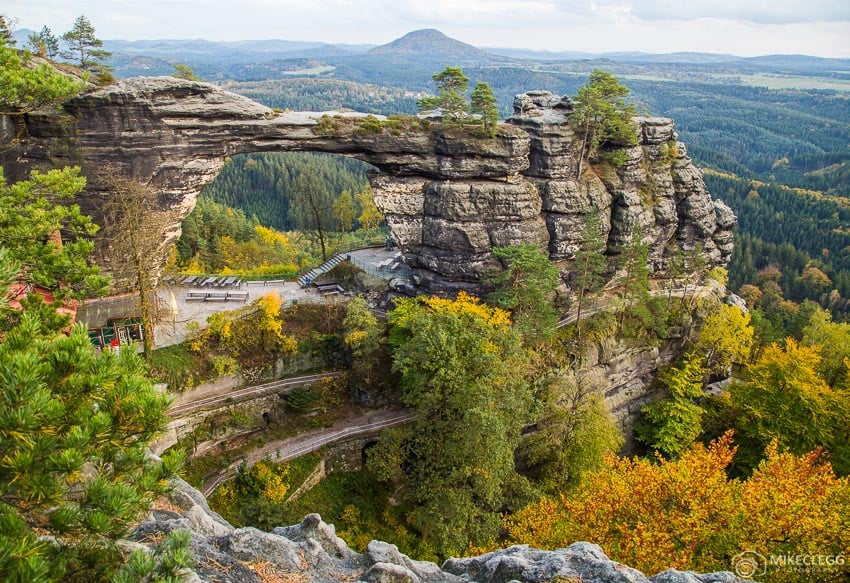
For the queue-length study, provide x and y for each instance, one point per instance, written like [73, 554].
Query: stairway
[315, 273]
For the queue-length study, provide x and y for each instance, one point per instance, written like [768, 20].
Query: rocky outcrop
[311, 551]
[449, 196]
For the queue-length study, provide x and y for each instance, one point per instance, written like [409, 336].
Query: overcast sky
[742, 27]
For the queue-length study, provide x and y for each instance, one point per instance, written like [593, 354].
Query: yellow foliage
[687, 514]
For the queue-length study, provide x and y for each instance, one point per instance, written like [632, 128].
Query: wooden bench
[239, 295]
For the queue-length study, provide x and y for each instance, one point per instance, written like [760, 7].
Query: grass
[180, 368]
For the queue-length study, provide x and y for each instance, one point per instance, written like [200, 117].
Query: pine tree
[83, 47]
[44, 43]
[589, 265]
[483, 103]
[452, 85]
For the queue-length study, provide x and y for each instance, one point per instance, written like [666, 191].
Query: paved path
[216, 395]
[290, 448]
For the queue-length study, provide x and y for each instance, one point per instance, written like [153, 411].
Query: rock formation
[448, 196]
[311, 551]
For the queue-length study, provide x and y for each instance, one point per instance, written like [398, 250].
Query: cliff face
[448, 197]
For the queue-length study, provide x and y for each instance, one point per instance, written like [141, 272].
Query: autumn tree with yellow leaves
[688, 514]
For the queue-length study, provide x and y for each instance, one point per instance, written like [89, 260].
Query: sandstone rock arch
[448, 196]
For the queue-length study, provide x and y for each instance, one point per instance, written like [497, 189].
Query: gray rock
[314, 528]
[583, 561]
[448, 196]
[389, 573]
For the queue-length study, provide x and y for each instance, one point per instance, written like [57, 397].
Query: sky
[740, 27]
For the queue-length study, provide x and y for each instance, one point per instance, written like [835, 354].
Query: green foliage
[365, 339]
[344, 211]
[264, 184]
[482, 102]
[574, 433]
[601, 115]
[24, 88]
[75, 426]
[785, 399]
[167, 563]
[635, 312]
[182, 71]
[299, 400]
[452, 85]
[84, 48]
[526, 286]
[671, 425]
[589, 265]
[833, 339]
[44, 43]
[461, 367]
[31, 213]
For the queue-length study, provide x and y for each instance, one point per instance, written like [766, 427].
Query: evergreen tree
[44, 43]
[32, 213]
[24, 89]
[84, 48]
[452, 86]
[182, 71]
[589, 265]
[483, 103]
[462, 370]
[634, 283]
[601, 114]
[75, 475]
[525, 287]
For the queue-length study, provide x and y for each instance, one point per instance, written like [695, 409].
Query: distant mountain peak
[430, 42]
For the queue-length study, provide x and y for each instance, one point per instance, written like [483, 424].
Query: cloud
[754, 11]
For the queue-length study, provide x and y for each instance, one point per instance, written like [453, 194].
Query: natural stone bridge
[448, 196]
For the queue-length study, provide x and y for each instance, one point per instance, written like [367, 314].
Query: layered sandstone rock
[448, 195]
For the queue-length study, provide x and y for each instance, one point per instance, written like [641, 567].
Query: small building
[112, 320]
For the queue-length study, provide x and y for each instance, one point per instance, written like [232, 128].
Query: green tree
[452, 86]
[785, 399]
[182, 71]
[671, 424]
[24, 89]
[525, 287]
[461, 366]
[601, 114]
[84, 48]
[573, 434]
[833, 339]
[32, 213]
[483, 103]
[44, 43]
[589, 265]
[344, 211]
[75, 475]
[634, 283]
[365, 338]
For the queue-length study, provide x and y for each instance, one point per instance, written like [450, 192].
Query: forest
[512, 441]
